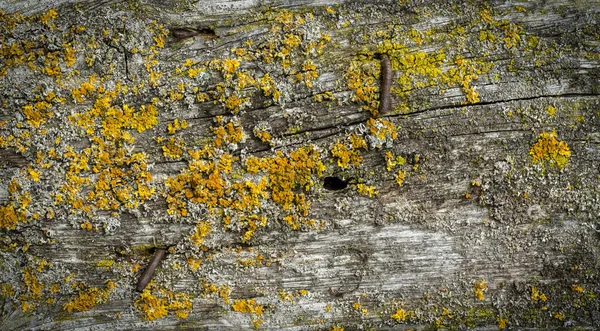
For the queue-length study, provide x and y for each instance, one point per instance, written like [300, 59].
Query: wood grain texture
[465, 229]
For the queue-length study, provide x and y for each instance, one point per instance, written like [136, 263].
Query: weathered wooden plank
[478, 235]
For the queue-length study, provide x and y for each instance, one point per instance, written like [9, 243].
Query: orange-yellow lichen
[478, 287]
[362, 78]
[87, 226]
[32, 285]
[399, 178]
[155, 303]
[349, 154]
[173, 148]
[263, 134]
[549, 150]
[249, 306]
[400, 315]
[229, 133]
[577, 288]
[88, 297]
[268, 86]
[421, 70]
[366, 190]
[11, 216]
[502, 322]
[381, 132]
[392, 161]
[358, 307]
[537, 295]
[202, 230]
[223, 291]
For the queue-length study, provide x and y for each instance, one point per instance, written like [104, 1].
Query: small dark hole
[334, 183]
[183, 33]
[208, 33]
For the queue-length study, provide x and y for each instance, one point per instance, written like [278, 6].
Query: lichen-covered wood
[245, 140]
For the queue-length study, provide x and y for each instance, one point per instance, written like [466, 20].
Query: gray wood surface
[478, 236]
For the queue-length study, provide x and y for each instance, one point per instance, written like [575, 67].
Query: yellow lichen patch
[257, 261]
[366, 190]
[177, 125]
[120, 178]
[249, 306]
[423, 70]
[400, 315]
[348, 154]
[33, 174]
[173, 148]
[295, 171]
[202, 230]
[38, 113]
[381, 132]
[502, 321]
[269, 88]
[106, 264]
[223, 291]
[228, 133]
[33, 288]
[307, 75]
[577, 288]
[87, 226]
[244, 80]
[358, 307]
[10, 216]
[252, 223]
[159, 34]
[392, 161]
[286, 296]
[291, 295]
[194, 263]
[88, 297]
[550, 110]
[478, 288]
[325, 96]
[6, 290]
[114, 120]
[233, 102]
[48, 16]
[558, 315]
[262, 133]
[399, 178]
[155, 303]
[363, 79]
[549, 150]
[229, 65]
[536, 295]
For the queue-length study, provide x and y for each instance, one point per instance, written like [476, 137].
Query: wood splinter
[386, 84]
[149, 272]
